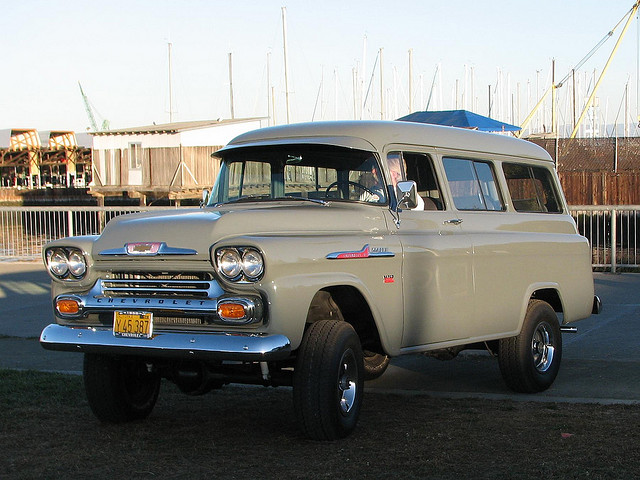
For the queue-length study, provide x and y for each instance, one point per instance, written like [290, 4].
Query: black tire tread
[313, 384]
[103, 387]
[515, 371]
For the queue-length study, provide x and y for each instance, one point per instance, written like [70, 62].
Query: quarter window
[473, 185]
[531, 188]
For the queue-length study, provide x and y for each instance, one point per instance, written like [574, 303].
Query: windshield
[314, 172]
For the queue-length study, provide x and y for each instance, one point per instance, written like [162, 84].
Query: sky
[461, 50]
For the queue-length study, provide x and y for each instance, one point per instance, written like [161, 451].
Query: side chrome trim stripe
[366, 252]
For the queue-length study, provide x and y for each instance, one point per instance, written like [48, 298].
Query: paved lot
[601, 363]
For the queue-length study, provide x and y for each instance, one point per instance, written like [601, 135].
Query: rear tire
[328, 380]
[530, 362]
[119, 389]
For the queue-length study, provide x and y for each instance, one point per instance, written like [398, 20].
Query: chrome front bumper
[252, 347]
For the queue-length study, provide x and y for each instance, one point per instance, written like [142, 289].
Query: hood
[193, 231]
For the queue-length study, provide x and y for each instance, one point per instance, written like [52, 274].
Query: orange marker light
[232, 311]
[67, 307]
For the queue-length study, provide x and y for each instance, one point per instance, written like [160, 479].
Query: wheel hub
[347, 386]
[542, 348]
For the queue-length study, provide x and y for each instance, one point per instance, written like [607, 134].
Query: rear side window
[532, 188]
[473, 184]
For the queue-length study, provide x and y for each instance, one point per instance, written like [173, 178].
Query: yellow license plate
[133, 324]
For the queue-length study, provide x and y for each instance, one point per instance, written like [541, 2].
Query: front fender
[290, 297]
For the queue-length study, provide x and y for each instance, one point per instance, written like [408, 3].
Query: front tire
[530, 362]
[119, 389]
[328, 380]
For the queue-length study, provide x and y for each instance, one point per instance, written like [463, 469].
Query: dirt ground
[48, 431]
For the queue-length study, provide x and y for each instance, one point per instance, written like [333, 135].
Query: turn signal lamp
[232, 311]
[68, 307]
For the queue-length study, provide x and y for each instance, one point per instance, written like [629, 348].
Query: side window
[473, 184]
[531, 188]
[419, 168]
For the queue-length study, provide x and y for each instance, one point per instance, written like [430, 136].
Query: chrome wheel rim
[542, 348]
[347, 382]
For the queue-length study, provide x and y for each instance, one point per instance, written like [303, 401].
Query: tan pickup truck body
[357, 241]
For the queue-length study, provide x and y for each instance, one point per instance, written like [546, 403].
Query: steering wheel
[353, 184]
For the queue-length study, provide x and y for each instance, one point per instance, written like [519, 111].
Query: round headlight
[57, 262]
[77, 267]
[229, 263]
[252, 264]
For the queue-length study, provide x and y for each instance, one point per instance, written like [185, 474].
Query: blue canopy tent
[461, 119]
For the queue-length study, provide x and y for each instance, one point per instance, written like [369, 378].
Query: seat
[429, 203]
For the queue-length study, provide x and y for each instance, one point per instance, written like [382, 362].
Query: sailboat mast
[364, 72]
[269, 89]
[231, 87]
[381, 86]
[286, 66]
[354, 80]
[170, 89]
[411, 80]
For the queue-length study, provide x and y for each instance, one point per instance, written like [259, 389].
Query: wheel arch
[346, 303]
[551, 296]
[547, 292]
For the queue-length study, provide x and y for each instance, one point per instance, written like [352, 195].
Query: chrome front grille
[190, 321]
[158, 284]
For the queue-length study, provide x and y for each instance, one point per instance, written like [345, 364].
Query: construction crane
[631, 14]
[89, 110]
[552, 89]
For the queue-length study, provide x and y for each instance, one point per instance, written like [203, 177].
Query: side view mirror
[407, 194]
[205, 197]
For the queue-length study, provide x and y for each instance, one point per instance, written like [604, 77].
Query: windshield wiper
[267, 198]
[303, 199]
[248, 198]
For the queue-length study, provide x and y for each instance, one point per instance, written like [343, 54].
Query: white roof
[5, 138]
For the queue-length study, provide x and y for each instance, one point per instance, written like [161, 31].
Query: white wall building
[171, 160]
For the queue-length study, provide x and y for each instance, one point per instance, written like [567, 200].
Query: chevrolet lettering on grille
[159, 302]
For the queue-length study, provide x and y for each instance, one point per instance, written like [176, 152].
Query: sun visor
[347, 142]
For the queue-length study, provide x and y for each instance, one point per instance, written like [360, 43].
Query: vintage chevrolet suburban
[323, 250]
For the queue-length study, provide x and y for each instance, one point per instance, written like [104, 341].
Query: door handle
[453, 221]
